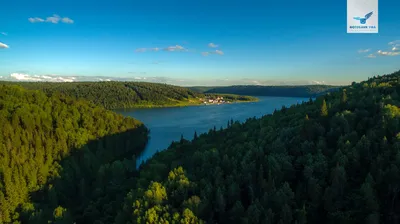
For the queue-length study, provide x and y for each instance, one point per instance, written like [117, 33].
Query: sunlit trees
[51, 154]
[335, 159]
[324, 109]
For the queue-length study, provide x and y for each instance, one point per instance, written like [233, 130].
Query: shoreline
[179, 105]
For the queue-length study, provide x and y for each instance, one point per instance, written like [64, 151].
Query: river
[168, 124]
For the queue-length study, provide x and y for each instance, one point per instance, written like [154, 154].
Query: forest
[333, 159]
[118, 95]
[61, 159]
[254, 90]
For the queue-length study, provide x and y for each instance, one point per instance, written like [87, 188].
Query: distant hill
[117, 95]
[113, 95]
[254, 90]
[201, 89]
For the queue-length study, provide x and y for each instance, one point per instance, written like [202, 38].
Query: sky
[198, 42]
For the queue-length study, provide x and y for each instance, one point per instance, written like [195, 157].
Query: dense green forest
[253, 90]
[332, 160]
[63, 159]
[335, 159]
[201, 89]
[117, 95]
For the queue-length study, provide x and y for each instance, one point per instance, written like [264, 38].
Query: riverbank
[169, 124]
[195, 102]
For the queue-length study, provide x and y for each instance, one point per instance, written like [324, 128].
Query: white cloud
[219, 52]
[363, 51]
[36, 20]
[51, 19]
[396, 49]
[3, 46]
[170, 48]
[370, 56]
[257, 83]
[4, 33]
[395, 42]
[25, 77]
[174, 48]
[388, 53]
[40, 78]
[212, 45]
[317, 82]
[139, 77]
[67, 20]
[142, 77]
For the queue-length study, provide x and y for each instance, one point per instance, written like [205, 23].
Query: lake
[168, 124]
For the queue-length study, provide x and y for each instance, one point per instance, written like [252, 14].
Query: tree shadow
[92, 181]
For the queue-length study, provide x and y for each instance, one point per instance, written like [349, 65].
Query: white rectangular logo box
[362, 16]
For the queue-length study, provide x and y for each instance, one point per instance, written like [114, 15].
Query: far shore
[200, 103]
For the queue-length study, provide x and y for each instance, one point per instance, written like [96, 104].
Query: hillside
[332, 160]
[117, 95]
[201, 89]
[254, 90]
[59, 157]
[113, 95]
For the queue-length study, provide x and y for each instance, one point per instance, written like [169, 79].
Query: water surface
[168, 124]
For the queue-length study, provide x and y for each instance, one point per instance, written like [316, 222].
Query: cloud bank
[139, 77]
[39, 78]
[51, 19]
[3, 46]
[387, 53]
[394, 50]
[395, 42]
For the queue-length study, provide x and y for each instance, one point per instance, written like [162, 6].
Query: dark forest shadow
[93, 181]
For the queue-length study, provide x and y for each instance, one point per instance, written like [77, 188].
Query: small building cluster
[214, 100]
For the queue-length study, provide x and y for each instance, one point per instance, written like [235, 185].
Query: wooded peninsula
[118, 95]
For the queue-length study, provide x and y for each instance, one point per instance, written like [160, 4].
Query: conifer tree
[324, 109]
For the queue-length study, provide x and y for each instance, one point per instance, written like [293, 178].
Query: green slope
[332, 160]
[58, 157]
[116, 95]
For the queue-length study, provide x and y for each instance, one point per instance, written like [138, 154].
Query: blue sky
[195, 42]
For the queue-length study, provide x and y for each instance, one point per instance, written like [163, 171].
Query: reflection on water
[168, 124]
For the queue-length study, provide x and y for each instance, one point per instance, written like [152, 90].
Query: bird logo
[364, 20]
